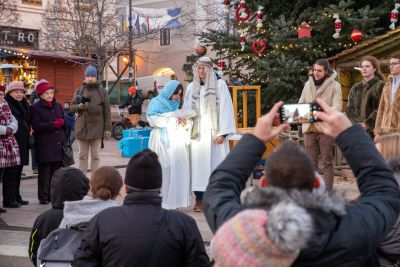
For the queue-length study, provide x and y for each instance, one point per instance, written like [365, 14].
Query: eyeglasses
[394, 63]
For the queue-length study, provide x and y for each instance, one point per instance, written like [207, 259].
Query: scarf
[210, 98]
[162, 104]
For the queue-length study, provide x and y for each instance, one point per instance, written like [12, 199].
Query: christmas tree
[282, 65]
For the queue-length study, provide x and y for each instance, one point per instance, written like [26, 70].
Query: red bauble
[259, 47]
[356, 35]
[201, 50]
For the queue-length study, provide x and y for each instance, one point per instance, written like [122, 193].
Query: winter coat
[125, 236]
[81, 211]
[9, 150]
[344, 235]
[49, 140]
[134, 103]
[388, 117]
[21, 111]
[363, 103]
[330, 91]
[67, 184]
[93, 122]
[70, 118]
[389, 249]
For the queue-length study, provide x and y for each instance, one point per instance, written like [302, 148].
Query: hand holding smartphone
[298, 113]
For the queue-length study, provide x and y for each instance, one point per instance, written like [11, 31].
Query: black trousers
[45, 172]
[11, 183]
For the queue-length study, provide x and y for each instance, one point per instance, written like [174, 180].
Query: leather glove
[107, 134]
[9, 131]
[83, 106]
[58, 123]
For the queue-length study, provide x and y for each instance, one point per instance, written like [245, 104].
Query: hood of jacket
[81, 211]
[68, 184]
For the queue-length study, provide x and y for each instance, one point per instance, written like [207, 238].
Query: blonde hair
[389, 145]
[105, 183]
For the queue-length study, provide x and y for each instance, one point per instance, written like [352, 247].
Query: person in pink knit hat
[260, 238]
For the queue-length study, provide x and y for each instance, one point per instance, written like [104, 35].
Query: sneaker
[198, 207]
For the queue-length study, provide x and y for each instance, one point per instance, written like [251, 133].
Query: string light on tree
[338, 25]
[259, 17]
[394, 16]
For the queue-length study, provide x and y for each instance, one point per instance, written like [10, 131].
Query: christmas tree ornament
[221, 64]
[201, 50]
[394, 16]
[356, 35]
[259, 17]
[243, 13]
[242, 40]
[227, 6]
[259, 47]
[304, 30]
[338, 25]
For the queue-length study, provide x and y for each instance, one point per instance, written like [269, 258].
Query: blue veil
[162, 103]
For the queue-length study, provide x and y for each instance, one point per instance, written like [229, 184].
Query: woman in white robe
[169, 139]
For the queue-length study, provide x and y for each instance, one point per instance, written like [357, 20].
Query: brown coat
[388, 117]
[330, 91]
[93, 122]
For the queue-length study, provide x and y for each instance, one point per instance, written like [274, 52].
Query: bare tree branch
[8, 13]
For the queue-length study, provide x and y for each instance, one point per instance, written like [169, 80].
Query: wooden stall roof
[381, 47]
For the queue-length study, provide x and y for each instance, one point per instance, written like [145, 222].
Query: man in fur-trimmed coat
[321, 84]
[343, 235]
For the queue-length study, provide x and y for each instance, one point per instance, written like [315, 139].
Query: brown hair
[327, 67]
[105, 183]
[389, 145]
[290, 167]
[375, 62]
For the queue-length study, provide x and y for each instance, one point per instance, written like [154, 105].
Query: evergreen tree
[283, 68]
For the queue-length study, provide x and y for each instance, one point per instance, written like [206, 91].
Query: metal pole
[130, 43]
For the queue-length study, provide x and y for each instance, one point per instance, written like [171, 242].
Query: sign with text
[15, 37]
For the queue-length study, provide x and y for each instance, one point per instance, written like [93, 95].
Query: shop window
[32, 2]
[165, 37]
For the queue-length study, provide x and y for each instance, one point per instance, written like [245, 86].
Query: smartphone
[298, 113]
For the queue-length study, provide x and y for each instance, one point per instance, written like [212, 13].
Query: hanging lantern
[304, 31]
[227, 6]
[259, 17]
[242, 12]
[394, 16]
[356, 35]
[259, 47]
[242, 40]
[338, 26]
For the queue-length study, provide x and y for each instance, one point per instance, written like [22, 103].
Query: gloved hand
[107, 134]
[58, 123]
[9, 131]
[83, 106]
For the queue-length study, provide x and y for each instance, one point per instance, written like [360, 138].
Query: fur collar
[327, 84]
[270, 196]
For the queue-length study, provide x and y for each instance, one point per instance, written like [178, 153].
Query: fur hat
[15, 85]
[144, 171]
[90, 71]
[42, 86]
[260, 238]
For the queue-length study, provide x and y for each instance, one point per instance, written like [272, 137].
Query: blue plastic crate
[133, 145]
[136, 132]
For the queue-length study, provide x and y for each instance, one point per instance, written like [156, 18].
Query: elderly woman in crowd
[49, 127]
[19, 106]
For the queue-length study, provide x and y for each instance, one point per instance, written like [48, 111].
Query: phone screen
[298, 113]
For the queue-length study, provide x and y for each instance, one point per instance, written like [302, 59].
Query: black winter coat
[22, 113]
[348, 240]
[48, 140]
[134, 103]
[67, 184]
[124, 236]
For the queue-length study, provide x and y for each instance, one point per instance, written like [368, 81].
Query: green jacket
[363, 103]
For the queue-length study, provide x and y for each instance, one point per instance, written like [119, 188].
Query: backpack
[59, 247]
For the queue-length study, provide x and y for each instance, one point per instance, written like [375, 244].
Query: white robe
[205, 154]
[174, 159]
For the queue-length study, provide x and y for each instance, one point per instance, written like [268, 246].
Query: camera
[82, 99]
[299, 113]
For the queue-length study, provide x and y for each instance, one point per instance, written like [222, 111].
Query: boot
[198, 207]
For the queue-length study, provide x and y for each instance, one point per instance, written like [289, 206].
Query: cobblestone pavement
[15, 225]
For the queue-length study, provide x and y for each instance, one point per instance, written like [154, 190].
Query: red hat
[132, 90]
[43, 87]
[2, 88]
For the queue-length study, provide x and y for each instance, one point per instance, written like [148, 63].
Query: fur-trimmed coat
[343, 235]
[330, 91]
[388, 117]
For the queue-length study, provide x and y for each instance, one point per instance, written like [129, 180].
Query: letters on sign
[15, 37]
